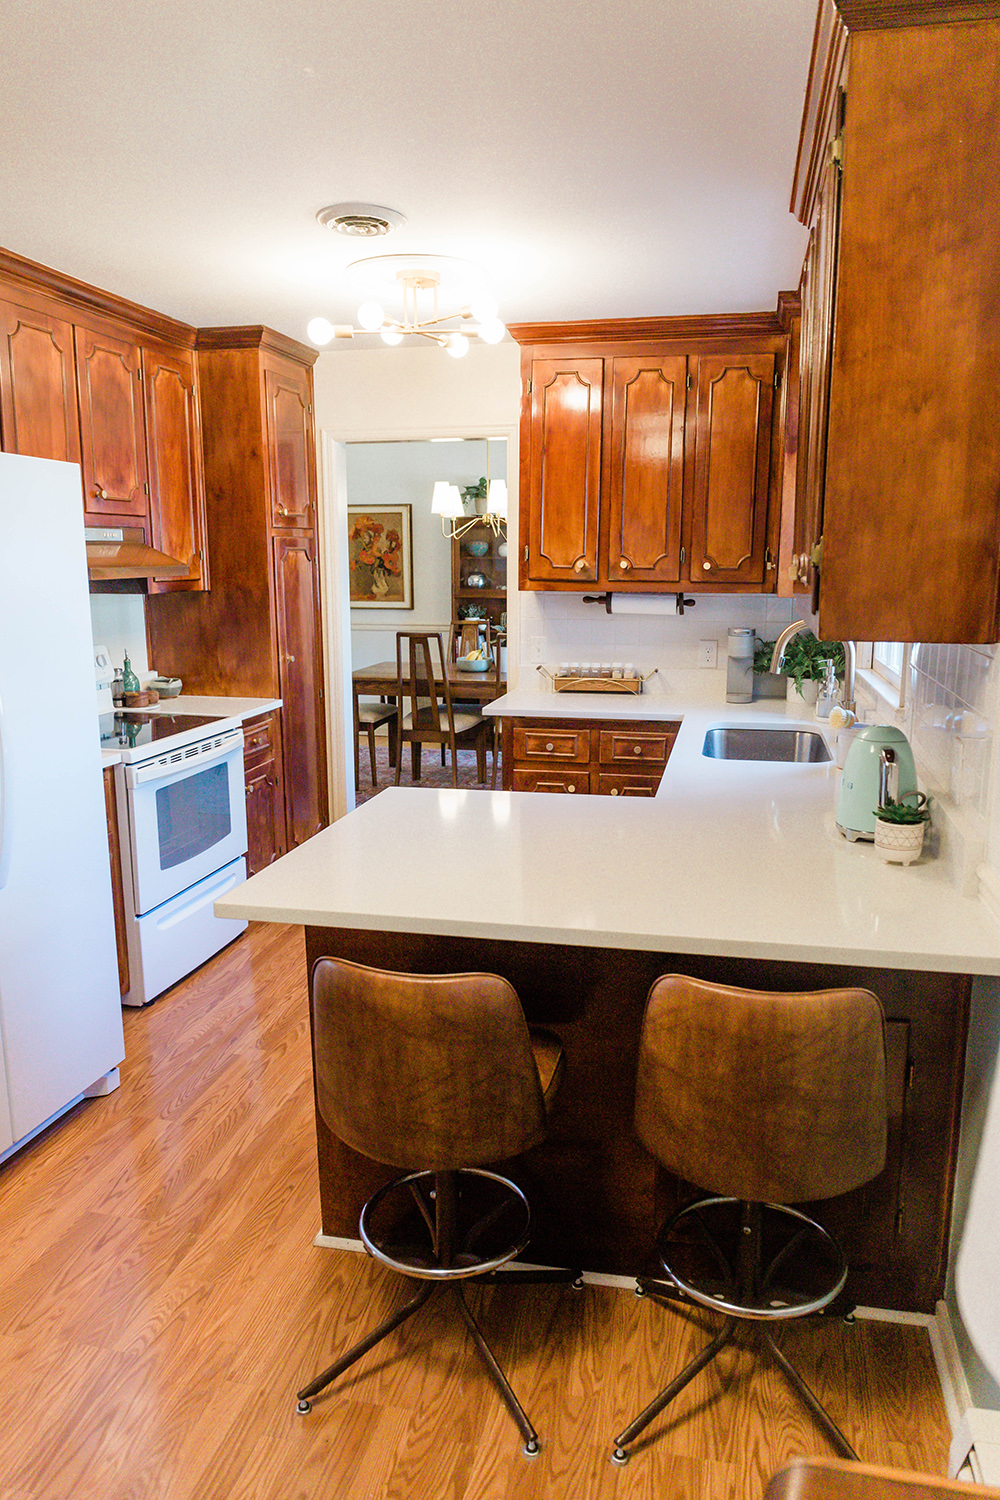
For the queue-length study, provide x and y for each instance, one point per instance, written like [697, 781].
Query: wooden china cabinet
[258, 633]
[653, 452]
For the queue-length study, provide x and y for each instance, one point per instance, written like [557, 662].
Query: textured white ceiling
[627, 160]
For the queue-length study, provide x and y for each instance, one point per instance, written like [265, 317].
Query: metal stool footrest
[490, 1223]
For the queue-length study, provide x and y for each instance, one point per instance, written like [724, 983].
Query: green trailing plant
[916, 811]
[805, 658]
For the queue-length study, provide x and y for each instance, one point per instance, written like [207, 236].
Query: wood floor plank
[161, 1300]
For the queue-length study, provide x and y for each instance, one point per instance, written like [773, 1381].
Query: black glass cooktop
[131, 728]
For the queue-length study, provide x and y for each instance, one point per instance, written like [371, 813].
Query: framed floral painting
[380, 556]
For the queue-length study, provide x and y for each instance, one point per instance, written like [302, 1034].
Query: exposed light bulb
[484, 308]
[320, 330]
[457, 345]
[492, 331]
[371, 316]
[391, 336]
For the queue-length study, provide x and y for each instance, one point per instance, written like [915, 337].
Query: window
[891, 662]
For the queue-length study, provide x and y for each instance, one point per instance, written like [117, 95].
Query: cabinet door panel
[732, 467]
[290, 447]
[300, 682]
[38, 412]
[644, 494]
[112, 426]
[565, 470]
[174, 442]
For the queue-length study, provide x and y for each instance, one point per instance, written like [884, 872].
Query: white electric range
[183, 829]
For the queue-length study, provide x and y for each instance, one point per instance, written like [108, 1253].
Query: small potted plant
[804, 664]
[899, 828]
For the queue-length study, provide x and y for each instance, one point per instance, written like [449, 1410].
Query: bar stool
[436, 1075]
[764, 1100]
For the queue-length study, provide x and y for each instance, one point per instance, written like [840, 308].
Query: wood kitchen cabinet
[88, 378]
[901, 453]
[264, 793]
[257, 632]
[586, 756]
[651, 455]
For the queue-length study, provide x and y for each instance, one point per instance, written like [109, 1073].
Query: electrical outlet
[536, 649]
[708, 653]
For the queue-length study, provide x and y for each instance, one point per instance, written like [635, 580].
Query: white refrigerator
[60, 1011]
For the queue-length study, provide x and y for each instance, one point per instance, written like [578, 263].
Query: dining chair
[367, 718]
[427, 715]
[474, 635]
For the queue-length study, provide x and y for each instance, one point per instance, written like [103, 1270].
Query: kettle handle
[887, 763]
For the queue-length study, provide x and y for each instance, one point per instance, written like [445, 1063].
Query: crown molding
[256, 336]
[654, 330]
[79, 296]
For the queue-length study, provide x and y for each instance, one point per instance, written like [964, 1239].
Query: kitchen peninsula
[733, 872]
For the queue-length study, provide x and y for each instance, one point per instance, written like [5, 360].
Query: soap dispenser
[827, 698]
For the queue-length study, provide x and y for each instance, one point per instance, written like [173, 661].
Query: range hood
[121, 552]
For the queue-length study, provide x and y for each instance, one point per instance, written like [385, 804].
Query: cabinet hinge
[909, 1075]
[138, 372]
[145, 487]
[777, 379]
[683, 554]
[769, 563]
[526, 552]
[837, 152]
[689, 382]
[816, 553]
[898, 1228]
[528, 388]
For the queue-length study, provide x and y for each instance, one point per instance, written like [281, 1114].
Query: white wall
[119, 622]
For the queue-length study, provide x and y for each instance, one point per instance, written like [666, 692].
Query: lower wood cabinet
[117, 889]
[600, 757]
[265, 797]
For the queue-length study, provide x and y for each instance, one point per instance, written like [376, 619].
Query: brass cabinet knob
[707, 566]
[571, 789]
[636, 749]
[579, 565]
[550, 746]
[99, 492]
[614, 791]
[623, 562]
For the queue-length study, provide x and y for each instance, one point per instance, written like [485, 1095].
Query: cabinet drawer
[555, 745]
[258, 740]
[621, 784]
[620, 747]
[552, 781]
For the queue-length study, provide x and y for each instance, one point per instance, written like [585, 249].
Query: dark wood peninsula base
[597, 1197]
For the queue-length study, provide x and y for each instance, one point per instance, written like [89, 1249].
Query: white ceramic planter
[807, 698]
[899, 843]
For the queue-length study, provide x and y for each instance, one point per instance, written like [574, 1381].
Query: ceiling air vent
[361, 220]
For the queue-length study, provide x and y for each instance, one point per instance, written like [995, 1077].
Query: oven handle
[155, 770]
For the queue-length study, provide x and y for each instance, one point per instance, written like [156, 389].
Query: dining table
[468, 687]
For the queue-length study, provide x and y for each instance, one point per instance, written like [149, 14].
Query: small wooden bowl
[136, 700]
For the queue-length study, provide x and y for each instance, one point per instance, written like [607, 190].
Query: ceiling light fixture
[422, 281]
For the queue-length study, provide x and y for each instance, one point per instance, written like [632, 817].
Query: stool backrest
[432, 1071]
[770, 1097]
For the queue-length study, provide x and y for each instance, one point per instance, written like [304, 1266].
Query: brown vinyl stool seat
[437, 1075]
[764, 1100]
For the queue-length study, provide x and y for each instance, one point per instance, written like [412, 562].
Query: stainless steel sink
[742, 742]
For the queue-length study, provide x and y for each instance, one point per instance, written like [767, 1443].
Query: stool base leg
[807, 1397]
[498, 1377]
[354, 1354]
[619, 1454]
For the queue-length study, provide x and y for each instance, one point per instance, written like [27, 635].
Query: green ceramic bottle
[130, 682]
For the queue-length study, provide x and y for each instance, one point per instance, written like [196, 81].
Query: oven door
[186, 822]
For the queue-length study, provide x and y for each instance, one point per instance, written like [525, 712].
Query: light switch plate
[536, 650]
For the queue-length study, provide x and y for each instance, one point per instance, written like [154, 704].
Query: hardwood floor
[161, 1299]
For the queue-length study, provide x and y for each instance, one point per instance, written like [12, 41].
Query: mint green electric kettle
[879, 764]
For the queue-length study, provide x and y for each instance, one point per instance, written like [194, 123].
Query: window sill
[885, 695]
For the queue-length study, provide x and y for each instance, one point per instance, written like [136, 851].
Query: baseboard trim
[591, 1278]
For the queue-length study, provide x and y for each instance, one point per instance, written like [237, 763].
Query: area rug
[432, 772]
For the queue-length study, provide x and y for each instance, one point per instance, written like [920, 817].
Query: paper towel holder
[605, 599]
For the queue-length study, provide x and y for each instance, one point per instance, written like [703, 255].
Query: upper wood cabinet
[651, 459]
[732, 467]
[564, 447]
[907, 461]
[38, 410]
[290, 443]
[112, 427]
[173, 436]
[88, 378]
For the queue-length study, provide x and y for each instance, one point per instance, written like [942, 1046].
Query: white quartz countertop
[731, 857]
[530, 703]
